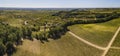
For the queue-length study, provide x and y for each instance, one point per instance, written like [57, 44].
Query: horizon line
[59, 7]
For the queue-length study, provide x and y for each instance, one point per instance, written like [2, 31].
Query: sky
[60, 3]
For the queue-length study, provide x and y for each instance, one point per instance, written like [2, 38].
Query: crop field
[113, 52]
[99, 33]
[117, 41]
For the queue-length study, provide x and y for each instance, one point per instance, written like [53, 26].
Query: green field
[29, 48]
[99, 33]
[117, 41]
[66, 46]
[113, 52]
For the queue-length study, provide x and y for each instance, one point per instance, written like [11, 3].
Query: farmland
[113, 52]
[99, 33]
[72, 32]
[116, 42]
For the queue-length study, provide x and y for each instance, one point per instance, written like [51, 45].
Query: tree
[36, 36]
[12, 37]
[29, 33]
[2, 49]
[10, 48]
[19, 36]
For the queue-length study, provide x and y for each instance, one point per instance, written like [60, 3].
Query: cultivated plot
[117, 41]
[99, 34]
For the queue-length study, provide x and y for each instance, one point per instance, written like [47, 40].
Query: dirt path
[96, 46]
[87, 42]
[110, 43]
[115, 48]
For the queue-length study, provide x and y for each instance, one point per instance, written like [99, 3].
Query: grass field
[99, 33]
[28, 48]
[113, 52]
[16, 22]
[66, 46]
[117, 41]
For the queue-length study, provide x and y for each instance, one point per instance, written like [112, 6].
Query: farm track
[87, 42]
[115, 48]
[106, 49]
[111, 41]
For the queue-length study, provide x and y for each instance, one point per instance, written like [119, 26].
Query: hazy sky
[59, 3]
